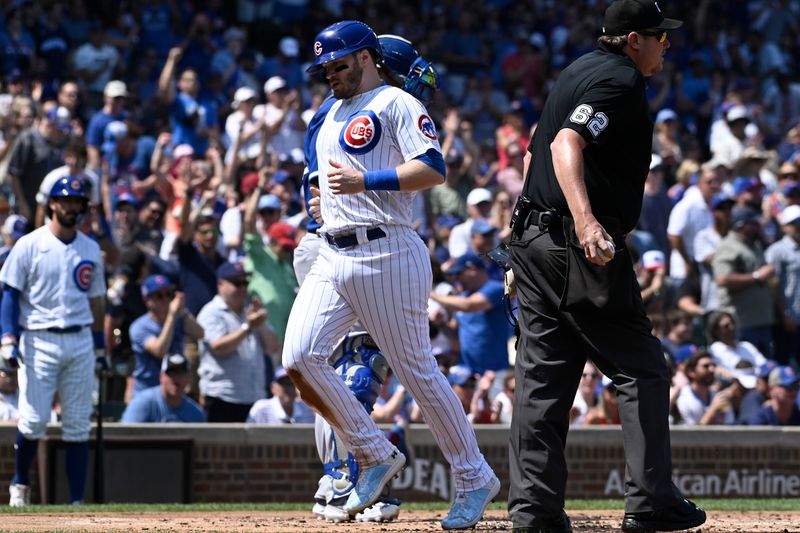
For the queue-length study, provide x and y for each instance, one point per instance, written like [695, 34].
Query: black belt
[71, 329]
[542, 219]
[351, 239]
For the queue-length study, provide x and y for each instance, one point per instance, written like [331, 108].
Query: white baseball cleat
[318, 510]
[380, 512]
[20, 495]
[336, 514]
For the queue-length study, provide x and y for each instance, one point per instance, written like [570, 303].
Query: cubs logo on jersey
[425, 125]
[361, 133]
[83, 275]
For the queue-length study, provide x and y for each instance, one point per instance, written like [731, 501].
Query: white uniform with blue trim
[56, 281]
[384, 283]
[376, 130]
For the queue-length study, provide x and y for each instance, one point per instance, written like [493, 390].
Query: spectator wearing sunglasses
[233, 356]
[160, 331]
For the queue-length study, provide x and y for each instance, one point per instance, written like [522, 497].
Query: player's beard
[67, 219]
[352, 81]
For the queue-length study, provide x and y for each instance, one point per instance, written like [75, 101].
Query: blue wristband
[381, 180]
[99, 339]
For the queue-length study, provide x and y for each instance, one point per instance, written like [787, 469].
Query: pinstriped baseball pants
[385, 284]
[56, 362]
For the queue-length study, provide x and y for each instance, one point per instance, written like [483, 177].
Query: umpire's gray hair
[614, 43]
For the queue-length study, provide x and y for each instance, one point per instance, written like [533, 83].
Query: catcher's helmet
[68, 186]
[341, 39]
[412, 73]
[398, 54]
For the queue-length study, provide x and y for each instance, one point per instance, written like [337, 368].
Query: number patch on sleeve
[582, 114]
[595, 123]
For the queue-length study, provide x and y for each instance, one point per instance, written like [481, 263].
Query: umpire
[583, 192]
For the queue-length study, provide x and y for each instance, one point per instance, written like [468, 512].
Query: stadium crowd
[186, 120]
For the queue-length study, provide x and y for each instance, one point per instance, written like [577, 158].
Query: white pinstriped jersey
[55, 279]
[377, 130]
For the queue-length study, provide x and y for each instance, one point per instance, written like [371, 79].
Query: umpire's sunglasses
[661, 34]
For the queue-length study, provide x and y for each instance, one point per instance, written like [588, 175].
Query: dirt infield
[297, 522]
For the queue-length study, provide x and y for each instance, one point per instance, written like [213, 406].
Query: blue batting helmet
[341, 39]
[414, 74]
[68, 186]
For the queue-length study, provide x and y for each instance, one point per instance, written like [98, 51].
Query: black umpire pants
[569, 310]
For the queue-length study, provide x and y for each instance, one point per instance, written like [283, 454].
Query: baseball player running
[53, 292]
[364, 370]
[376, 147]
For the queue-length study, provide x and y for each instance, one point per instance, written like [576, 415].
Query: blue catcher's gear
[411, 71]
[68, 186]
[362, 367]
[341, 39]
[343, 472]
[360, 380]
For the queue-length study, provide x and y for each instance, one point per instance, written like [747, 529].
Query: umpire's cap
[69, 186]
[341, 39]
[625, 16]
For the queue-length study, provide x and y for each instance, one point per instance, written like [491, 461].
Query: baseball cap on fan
[624, 16]
[154, 283]
[284, 234]
[289, 47]
[61, 118]
[479, 195]
[243, 94]
[115, 89]
[16, 226]
[273, 84]
[175, 363]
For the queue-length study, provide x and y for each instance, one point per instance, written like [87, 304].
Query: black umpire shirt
[601, 96]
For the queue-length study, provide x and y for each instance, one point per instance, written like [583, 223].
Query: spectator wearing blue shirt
[284, 64]
[17, 45]
[198, 46]
[193, 121]
[224, 60]
[781, 408]
[166, 402]
[53, 43]
[114, 96]
[483, 330]
[160, 331]
[128, 154]
[483, 238]
[156, 23]
[198, 257]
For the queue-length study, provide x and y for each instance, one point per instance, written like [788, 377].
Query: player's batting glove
[101, 365]
[9, 351]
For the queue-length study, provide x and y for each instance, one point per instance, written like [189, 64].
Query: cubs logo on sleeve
[83, 275]
[425, 125]
[361, 133]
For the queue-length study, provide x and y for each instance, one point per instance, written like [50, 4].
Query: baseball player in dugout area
[587, 165]
[53, 293]
[357, 359]
[376, 147]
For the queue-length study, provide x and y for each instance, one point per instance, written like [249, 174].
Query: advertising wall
[250, 463]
